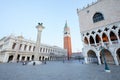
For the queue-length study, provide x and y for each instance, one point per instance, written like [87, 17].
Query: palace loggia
[99, 24]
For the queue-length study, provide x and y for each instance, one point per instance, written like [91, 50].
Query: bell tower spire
[67, 40]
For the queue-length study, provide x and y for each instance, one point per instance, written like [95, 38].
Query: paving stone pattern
[57, 70]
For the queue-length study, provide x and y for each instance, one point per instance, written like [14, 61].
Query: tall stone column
[86, 59]
[115, 59]
[99, 61]
[38, 41]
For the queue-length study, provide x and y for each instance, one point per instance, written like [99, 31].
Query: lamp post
[103, 54]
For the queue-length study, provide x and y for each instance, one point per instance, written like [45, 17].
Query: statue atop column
[40, 24]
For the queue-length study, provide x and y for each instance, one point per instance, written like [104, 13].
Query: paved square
[58, 71]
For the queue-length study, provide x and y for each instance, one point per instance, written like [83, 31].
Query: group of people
[34, 63]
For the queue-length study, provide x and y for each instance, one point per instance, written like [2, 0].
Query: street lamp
[103, 54]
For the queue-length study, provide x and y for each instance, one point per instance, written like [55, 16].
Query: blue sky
[21, 16]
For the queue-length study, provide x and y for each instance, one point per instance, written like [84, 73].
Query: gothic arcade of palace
[100, 26]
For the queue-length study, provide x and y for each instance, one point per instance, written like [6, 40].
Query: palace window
[98, 17]
[13, 46]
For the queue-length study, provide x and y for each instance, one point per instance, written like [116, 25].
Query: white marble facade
[16, 48]
[100, 26]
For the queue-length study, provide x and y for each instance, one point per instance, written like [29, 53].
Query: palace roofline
[88, 5]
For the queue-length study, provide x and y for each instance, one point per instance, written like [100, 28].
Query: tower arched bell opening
[92, 58]
[118, 55]
[113, 37]
[105, 38]
[107, 54]
[92, 40]
[86, 40]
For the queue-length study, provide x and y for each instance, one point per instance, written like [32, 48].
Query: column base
[108, 71]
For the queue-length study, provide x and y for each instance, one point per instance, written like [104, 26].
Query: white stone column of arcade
[38, 41]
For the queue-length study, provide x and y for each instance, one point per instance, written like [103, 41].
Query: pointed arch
[118, 55]
[105, 38]
[108, 55]
[86, 40]
[92, 58]
[113, 37]
[97, 38]
[91, 40]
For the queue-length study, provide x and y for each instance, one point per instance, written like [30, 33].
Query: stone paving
[58, 71]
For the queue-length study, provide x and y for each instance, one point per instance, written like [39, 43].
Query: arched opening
[29, 48]
[28, 58]
[14, 45]
[25, 47]
[98, 17]
[32, 57]
[118, 55]
[108, 57]
[119, 33]
[43, 58]
[40, 58]
[23, 58]
[85, 40]
[18, 57]
[20, 46]
[91, 40]
[105, 38]
[10, 58]
[34, 48]
[92, 58]
[97, 38]
[113, 37]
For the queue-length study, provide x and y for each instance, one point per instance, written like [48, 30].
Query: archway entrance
[43, 58]
[10, 58]
[28, 58]
[32, 57]
[107, 54]
[18, 57]
[40, 58]
[118, 55]
[92, 58]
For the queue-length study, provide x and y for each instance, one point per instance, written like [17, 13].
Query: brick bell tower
[67, 41]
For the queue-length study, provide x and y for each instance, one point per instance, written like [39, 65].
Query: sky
[20, 17]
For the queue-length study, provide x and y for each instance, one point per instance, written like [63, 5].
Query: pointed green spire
[66, 24]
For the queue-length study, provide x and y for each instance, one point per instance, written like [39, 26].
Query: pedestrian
[33, 63]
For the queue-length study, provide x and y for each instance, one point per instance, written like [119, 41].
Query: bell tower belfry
[67, 40]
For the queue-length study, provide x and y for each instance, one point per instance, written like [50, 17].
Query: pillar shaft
[85, 59]
[38, 41]
[99, 61]
[115, 59]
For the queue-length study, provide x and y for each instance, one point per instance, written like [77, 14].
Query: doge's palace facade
[100, 26]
